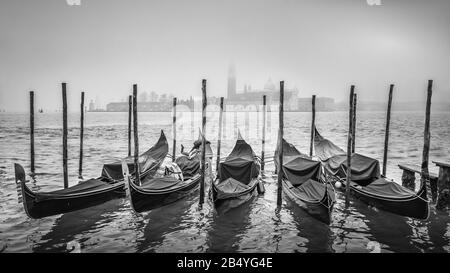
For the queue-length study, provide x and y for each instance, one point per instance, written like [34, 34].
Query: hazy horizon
[321, 47]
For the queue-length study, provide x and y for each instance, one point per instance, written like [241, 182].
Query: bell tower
[231, 91]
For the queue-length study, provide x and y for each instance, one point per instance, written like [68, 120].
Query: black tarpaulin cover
[364, 169]
[83, 187]
[161, 183]
[240, 164]
[230, 188]
[311, 190]
[189, 167]
[324, 148]
[149, 161]
[384, 188]
[297, 167]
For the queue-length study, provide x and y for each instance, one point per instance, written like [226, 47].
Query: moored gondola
[238, 178]
[303, 183]
[156, 190]
[367, 184]
[86, 193]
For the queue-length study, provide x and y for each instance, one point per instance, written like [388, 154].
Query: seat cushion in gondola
[387, 189]
[81, 188]
[230, 188]
[161, 183]
[310, 190]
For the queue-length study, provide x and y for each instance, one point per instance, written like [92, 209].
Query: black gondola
[303, 183]
[86, 193]
[238, 179]
[368, 184]
[154, 192]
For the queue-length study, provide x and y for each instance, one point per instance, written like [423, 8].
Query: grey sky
[321, 46]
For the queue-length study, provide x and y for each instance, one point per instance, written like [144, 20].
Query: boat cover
[81, 188]
[311, 190]
[161, 183]
[240, 164]
[387, 189]
[149, 161]
[364, 169]
[189, 167]
[230, 187]
[297, 167]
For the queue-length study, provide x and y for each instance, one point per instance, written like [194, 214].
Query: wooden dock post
[203, 155]
[263, 141]
[174, 128]
[354, 122]
[313, 125]
[130, 114]
[64, 97]
[386, 132]
[280, 144]
[426, 136]
[32, 132]
[219, 138]
[349, 146]
[137, 171]
[443, 200]
[80, 165]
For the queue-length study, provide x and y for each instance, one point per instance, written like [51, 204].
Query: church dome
[269, 85]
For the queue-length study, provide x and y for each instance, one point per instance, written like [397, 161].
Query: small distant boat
[368, 185]
[154, 192]
[238, 180]
[86, 193]
[41, 110]
[303, 183]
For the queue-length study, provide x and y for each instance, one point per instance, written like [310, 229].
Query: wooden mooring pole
[80, 165]
[130, 114]
[263, 141]
[386, 133]
[137, 171]
[219, 138]
[64, 97]
[426, 136]
[313, 125]
[349, 146]
[354, 122]
[203, 155]
[174, 128]
[32, 132]
[280, 144]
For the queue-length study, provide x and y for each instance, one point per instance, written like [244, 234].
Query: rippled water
[257, 226]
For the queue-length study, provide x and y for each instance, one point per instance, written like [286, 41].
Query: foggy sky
[322, 47]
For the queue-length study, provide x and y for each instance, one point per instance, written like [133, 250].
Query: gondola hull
[415, 206]
[143, 199]
[321, 210]
[52, 206]
[223, 205]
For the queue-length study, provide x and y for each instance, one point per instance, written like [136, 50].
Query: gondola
[86, 193]
[367, 184]
[303, 183]
[238, 178]
[157, 191]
